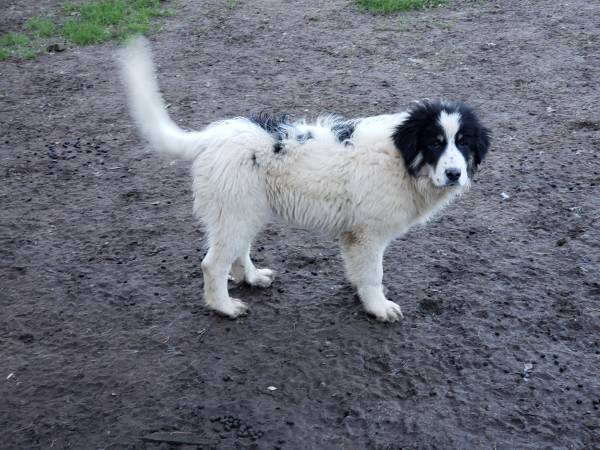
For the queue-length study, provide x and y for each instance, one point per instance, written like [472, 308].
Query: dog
[363, 181]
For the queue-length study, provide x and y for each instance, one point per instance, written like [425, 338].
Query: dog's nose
[453, 174]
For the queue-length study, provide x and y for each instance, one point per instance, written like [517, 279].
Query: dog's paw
[261, 278]
[385, 310]
[231, 308]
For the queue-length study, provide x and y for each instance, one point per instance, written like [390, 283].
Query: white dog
[365, 181]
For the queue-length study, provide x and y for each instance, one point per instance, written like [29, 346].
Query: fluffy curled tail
[147, 106]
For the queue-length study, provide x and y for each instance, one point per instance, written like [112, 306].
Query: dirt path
[103, 337]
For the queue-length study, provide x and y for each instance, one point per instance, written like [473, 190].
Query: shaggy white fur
[358, 191]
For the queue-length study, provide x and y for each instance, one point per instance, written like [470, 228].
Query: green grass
[392, 6]
[84, 22]
[16, 45]
[14, 40]
[101, 20]
[40, 26]
[84, 33]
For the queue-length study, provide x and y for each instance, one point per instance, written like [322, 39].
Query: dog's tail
[147, 106]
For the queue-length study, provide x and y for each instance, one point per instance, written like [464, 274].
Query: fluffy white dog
[365, 181]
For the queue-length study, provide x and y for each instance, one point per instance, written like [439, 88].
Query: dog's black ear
[479, 135]
[406, 138]
[482, 145]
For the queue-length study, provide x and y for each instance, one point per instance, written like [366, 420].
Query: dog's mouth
[449, 185]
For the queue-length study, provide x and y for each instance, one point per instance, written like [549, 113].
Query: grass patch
[84, 33]
[101, 20]
[84, 22]
[41, 26]
[14, 40]
[392, 6]
[16, 45]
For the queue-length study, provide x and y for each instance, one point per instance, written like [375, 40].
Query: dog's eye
[437, 144]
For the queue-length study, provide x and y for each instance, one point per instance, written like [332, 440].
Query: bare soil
[103, 335]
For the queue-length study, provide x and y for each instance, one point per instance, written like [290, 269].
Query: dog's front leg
[363, 259]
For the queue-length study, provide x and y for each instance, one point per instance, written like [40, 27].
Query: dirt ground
[104, 338]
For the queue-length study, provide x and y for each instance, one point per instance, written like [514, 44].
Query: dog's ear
[406, 137]
[482, 145]
[479, 136]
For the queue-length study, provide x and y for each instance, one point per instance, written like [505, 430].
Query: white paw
[232, 307]
[261, 278]
[385, 310]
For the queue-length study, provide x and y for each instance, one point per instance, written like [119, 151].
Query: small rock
[26, 338]
[55, 48]
[52, 153]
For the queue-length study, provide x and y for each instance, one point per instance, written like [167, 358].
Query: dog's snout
[453, 174]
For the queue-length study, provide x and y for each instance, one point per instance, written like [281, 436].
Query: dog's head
[442, 141]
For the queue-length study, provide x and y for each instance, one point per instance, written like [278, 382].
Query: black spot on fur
[302, 138]
[277, 147]
[272, 123]
[343, 131]
[417, 138]
[254, 162]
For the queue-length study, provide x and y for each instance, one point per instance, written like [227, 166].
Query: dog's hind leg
[215, 267]
[244, 270]
[231, 203]
[229, 236]
[363, 258]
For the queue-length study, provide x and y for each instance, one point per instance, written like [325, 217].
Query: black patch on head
[421, 138]
[343, 130]
[418, 132]
[254, 162]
